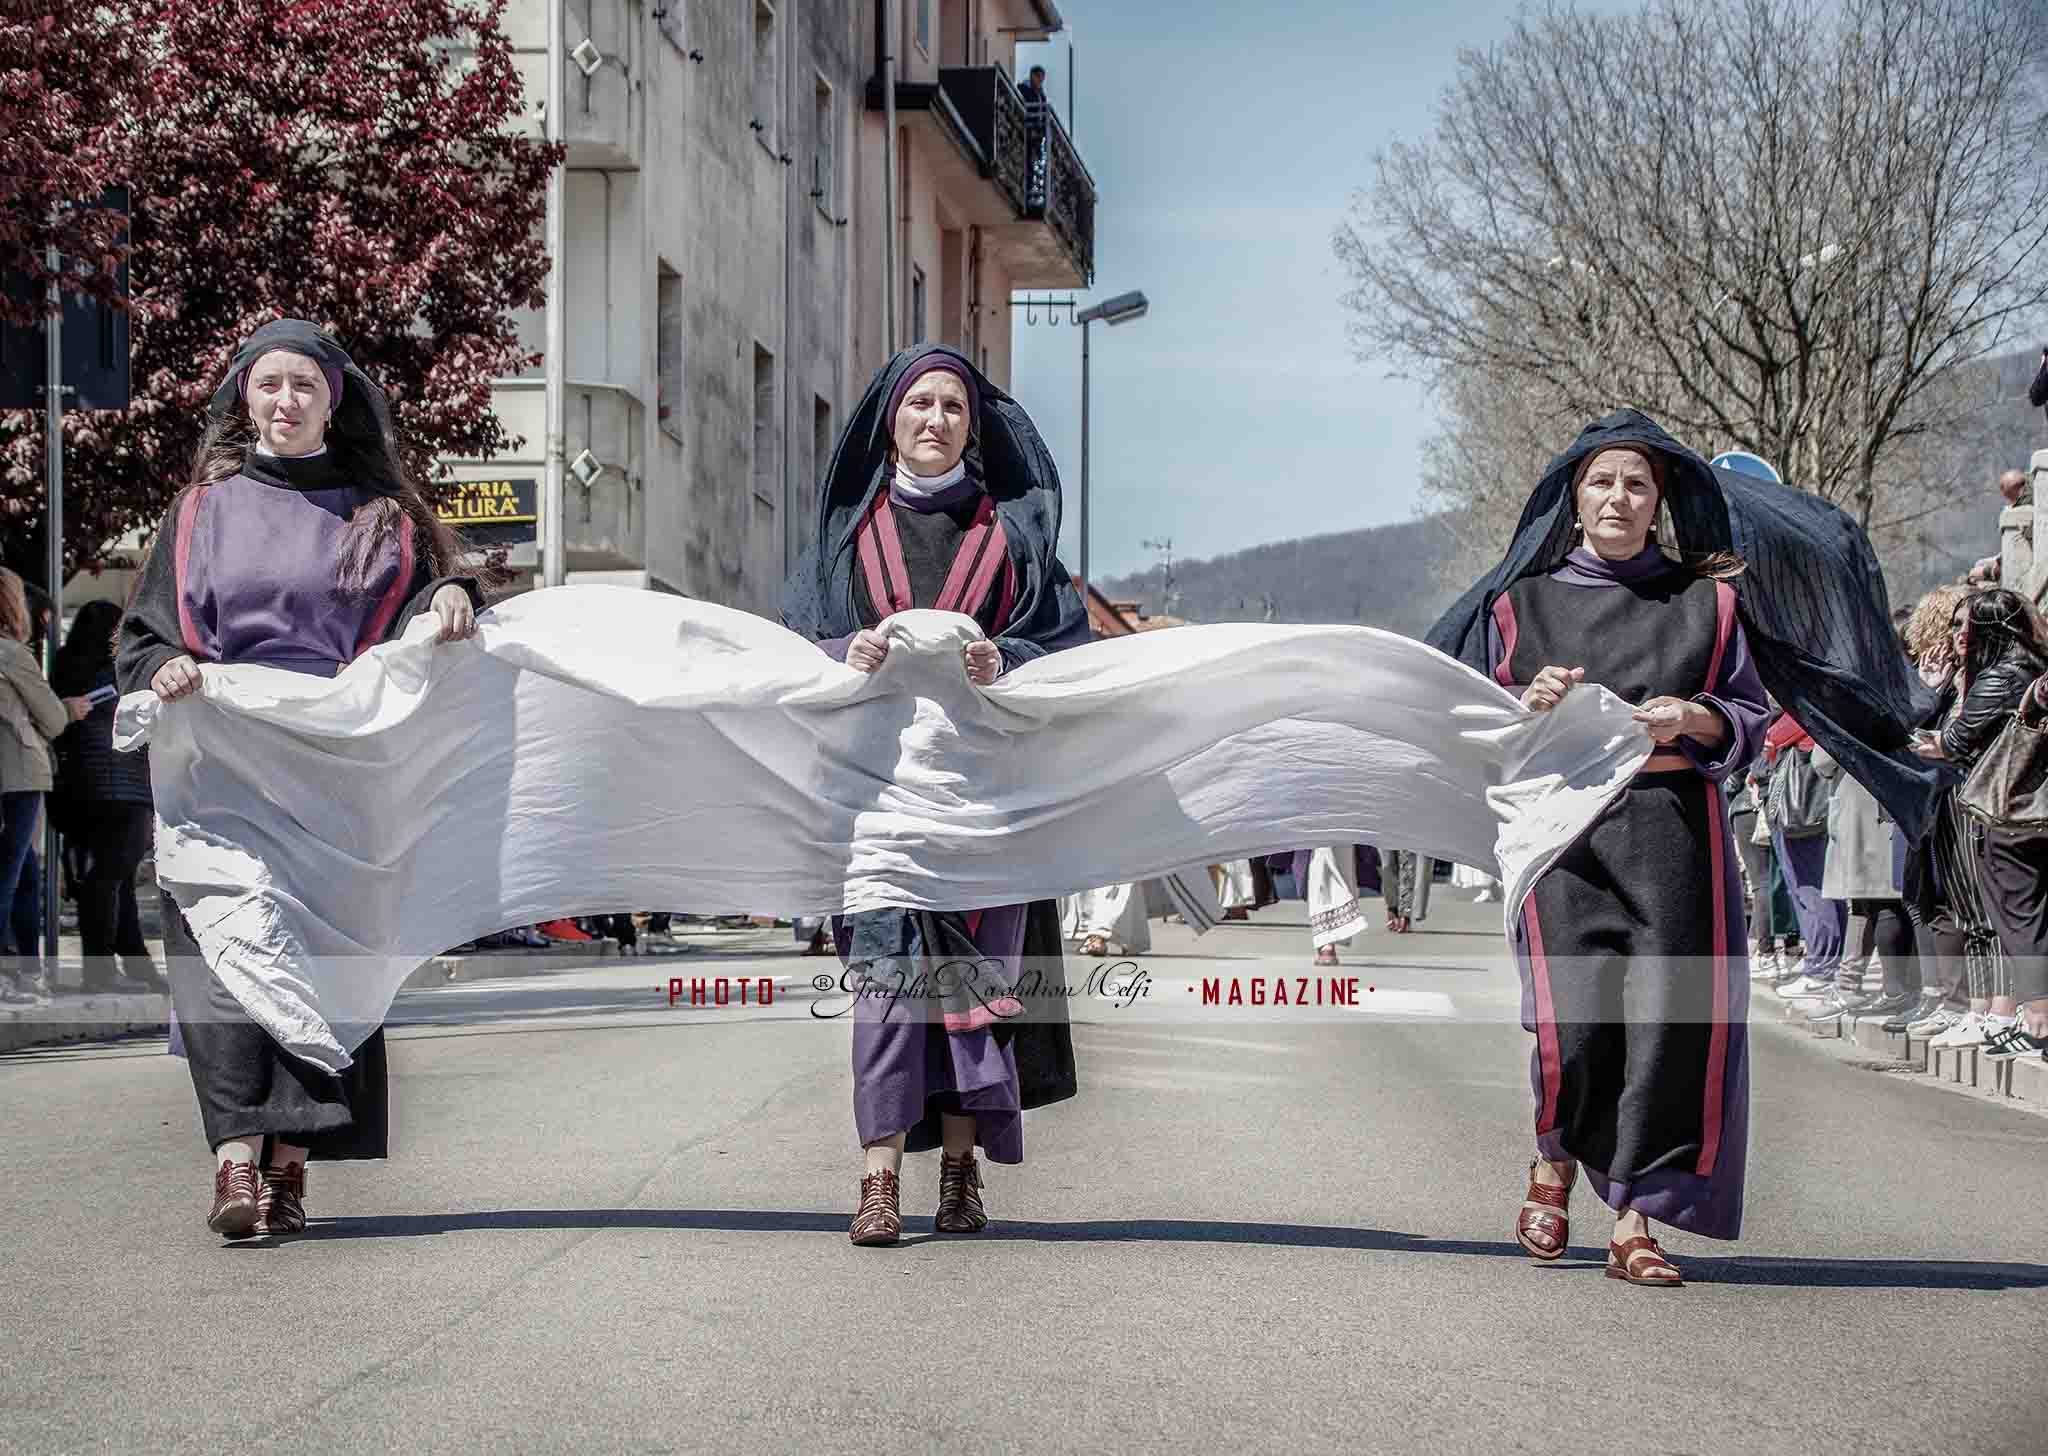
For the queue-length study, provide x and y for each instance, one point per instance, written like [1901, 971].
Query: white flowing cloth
[598, 749]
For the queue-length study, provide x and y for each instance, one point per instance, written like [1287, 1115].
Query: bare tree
[1778, 225]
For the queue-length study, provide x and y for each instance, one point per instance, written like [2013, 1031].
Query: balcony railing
[1022, 150]
[1062, 193]
[993, 113]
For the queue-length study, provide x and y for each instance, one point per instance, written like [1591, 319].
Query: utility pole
[553, 486]
[53, 466]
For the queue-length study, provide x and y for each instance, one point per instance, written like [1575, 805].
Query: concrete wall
[667, 177]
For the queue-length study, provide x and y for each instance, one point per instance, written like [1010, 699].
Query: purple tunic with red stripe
[1635, 979]
[913, 1057]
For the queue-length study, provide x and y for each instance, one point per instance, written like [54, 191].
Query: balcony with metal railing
[1008, 166]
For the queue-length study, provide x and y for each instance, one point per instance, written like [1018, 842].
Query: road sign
[95, 340]
[1744, 463]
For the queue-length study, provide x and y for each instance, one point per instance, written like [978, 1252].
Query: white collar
[263, 449]
[921, 487]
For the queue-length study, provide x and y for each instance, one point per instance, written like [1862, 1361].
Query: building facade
[728, 257]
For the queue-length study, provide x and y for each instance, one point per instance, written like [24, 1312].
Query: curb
[94, 1017]
[2020, 1079]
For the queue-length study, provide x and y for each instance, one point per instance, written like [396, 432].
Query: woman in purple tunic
[299, 543]
[941, 494]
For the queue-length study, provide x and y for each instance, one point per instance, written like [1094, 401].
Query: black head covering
[1812, 602]
[1006, 457]
[360, 411]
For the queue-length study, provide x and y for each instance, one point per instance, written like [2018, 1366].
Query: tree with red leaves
[362, 165]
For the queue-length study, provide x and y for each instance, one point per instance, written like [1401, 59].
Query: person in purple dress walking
[300, 542]
[942, 494]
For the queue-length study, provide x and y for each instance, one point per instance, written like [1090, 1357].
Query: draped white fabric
[597, 749]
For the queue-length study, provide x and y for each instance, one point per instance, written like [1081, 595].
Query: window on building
[924, 26]
[821, 440]
[823, 153]
[766, 112]
[917, 291]
[668, 350]
[767, 458]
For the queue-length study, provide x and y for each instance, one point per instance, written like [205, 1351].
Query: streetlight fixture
[1122, 309]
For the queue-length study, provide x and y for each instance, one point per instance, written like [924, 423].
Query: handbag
[2008, 789]
[1799, 796]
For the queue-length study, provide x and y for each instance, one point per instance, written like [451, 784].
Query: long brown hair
[14, 616]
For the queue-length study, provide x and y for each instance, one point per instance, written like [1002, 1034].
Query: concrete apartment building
[727, 256]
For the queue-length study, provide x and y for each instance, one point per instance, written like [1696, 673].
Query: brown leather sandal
[1326, 955]
[1543, 1215]
[877, 1221]
[1095, 946]
[280, 1200]
[234, 1200]
[1638, 1259]
[960, 1210]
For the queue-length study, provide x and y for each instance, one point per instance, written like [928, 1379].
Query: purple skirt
[907, 1068]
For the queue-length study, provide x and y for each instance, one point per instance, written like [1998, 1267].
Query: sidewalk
[2021, 1079]
[72, 1015]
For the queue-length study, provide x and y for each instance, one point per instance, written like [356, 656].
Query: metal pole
[53, 464]
[1084, 464]
[554, 558]
[889, 280]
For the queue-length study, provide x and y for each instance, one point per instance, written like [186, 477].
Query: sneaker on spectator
[1807, 988]
[1888, 1006]
[1764, 966]
[1934, 1023]
[1790, 971]
[1968, 1031]
[563, 930]
[2007, 1042]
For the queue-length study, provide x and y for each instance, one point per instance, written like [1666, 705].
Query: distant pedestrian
[31, 714]
[102, 806]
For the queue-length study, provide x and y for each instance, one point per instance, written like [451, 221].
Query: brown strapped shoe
[1095, 947]
[1543, 1216]
[877, 1222]
[1640, 1261]
[280, 1206]
[234, 1200]
[960, 1210]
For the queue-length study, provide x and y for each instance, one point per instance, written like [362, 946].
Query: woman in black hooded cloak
[941, 494]
[1634, 978]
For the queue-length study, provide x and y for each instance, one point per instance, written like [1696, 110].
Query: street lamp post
[1112, 311]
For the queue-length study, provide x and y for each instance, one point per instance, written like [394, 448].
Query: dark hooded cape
[1005, 456]
[1812, 603]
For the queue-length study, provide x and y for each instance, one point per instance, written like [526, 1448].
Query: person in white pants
[1333, 913]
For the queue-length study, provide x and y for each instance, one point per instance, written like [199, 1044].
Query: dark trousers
[1756, 874]
[19, 814]
[2012, 868]
[113, 840]
[250, 1087]
[1886, 930]
[1820, 919]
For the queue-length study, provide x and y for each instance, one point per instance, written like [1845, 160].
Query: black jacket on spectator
[2037, 392]
[1989, 705]
[89, 769]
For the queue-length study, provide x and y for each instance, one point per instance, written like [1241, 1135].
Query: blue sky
[1226, 141]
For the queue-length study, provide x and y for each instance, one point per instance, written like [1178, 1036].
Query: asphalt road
[615, 1226]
